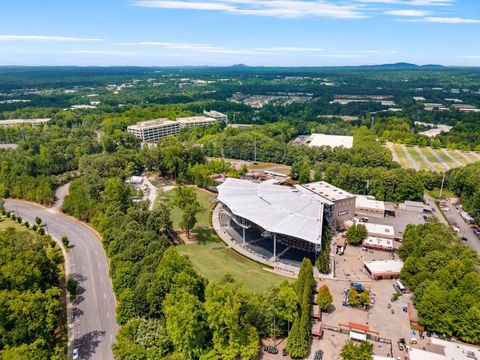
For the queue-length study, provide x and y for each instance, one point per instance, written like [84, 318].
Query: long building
[17, 122]
[154, 130]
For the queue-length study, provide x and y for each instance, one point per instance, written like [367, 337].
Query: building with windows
[154, 130]
[343, 203]
[216, 115]
[368, 206]
[383, 269]
[444, 350]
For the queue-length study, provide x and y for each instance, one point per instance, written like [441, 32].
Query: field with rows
[426, 158]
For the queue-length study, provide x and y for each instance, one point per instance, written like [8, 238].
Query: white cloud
[101, 52]
[287, 49]
[407, 12]
[273, 8]
[409, 2]
[451, 20]
[45, 38]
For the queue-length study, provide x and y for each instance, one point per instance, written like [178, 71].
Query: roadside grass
[213, 260]
[435, 193]
[6, 223]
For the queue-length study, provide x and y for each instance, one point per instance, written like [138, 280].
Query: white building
[154, 130]
[216, 115]
[369, 206]
[16, 122]
[445, 350]
[378, 243]
[383, 269]
[192, 121]
[333, 141]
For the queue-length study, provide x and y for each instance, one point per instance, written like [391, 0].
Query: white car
[75, 354]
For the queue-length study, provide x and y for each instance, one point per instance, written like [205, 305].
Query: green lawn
[211, 260]
[176, 214]
[6, 223]
[438, 167]
[404, 161]
[445, 158]
[435, 193]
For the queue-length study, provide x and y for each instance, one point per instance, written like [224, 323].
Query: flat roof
[195, 119]
[25, 121]
[369, 202]
[328, 191]
[386, 230]
[152, 123]
[457, 351]
[384, 266]
[373, 240]
[291, 211]
[330, 140]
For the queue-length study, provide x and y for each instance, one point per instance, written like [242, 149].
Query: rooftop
[152, 123]
[377, 241]
[363, 201]
[384, 266]
[292, 211]
[194, 119]
[328, 191]
[330, 140]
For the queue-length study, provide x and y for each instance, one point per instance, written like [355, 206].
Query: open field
[213, 259]
[425, 158]
[176, 213]
[258, 166]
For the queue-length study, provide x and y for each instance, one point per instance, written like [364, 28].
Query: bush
[38, 220]
[324, 298]
[41, 231]
[72, 286]
[26, 224]
[19, 219]
[65, 242]
[34, 227]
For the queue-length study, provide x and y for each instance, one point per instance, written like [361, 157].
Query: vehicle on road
[75, 354]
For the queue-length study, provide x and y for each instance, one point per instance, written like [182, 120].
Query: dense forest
[30, 306]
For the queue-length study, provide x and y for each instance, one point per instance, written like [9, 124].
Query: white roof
[152, 123]
[369, 202]
[379, 229]
[195, 119]
[330, 140]
[457, 351]
[292, 211]
[373, 240]
[328, 191]
[384, 266]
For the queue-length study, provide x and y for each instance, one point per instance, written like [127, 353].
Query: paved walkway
[153, 193]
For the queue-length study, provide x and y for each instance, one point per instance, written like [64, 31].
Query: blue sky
[252, 32]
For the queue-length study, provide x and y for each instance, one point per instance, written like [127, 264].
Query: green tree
[362, 351]
[189, 217]
[324, 298]
[356, 234]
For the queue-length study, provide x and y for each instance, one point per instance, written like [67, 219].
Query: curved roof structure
[291, 211]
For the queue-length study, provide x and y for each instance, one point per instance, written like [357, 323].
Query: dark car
[318, 355]
[464, 238]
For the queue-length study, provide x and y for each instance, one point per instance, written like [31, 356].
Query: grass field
[212, 260]
[176, 214]
[438, 158]
[6, 223]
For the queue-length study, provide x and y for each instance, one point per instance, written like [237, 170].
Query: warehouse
[333, 141]
[377, 243]
[368, 206]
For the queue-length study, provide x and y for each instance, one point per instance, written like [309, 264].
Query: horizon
[267, 33]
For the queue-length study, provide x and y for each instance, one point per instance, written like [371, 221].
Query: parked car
[75, 354]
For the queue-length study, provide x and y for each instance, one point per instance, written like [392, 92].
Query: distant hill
[401, 66]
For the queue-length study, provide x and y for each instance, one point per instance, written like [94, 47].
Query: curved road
[92, 325]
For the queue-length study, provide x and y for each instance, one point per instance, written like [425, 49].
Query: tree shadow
[88, 344]
[205, 235]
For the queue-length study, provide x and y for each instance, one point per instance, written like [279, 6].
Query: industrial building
[343, 202]
[368, 206]
[333, 141]
[383, 269]
[376, 230]
[17, 122]
[154, 130]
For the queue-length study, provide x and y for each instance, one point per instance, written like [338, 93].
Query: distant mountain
[402, 66]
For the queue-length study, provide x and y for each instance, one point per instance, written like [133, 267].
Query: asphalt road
[92, 313]
[465, 230]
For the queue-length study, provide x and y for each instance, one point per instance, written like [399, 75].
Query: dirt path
[410, 158]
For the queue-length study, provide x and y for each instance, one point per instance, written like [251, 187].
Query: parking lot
[399, 221]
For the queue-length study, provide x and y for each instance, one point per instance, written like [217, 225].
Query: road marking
[108, 315]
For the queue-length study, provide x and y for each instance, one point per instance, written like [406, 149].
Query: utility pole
[441, 187]
[255, 148]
